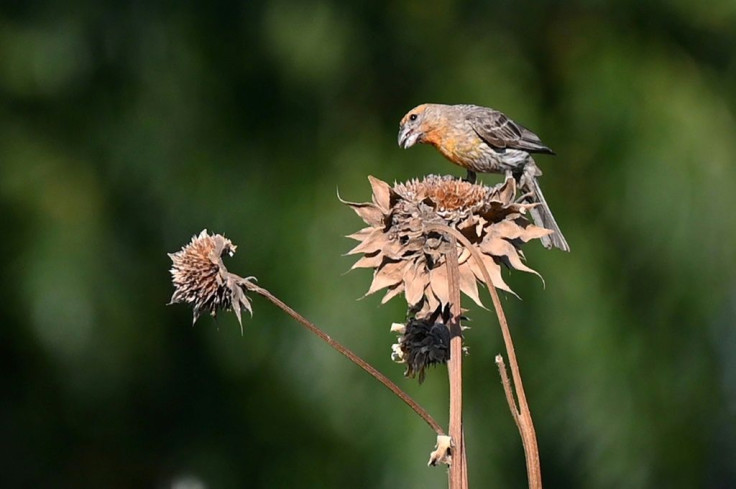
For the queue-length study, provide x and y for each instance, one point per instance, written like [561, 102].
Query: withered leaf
[368, 261]
[430, 305]
[464, 256]
[438, 283]
[392, 249]
[362, 234]
[389, 274]
[506, 192]
[370, 213]
[381, 194]
[507, 229]
[496, 246]
[534, 232]
[468, 284]
[393, 292]
[375, 241]
[494, 272]
[415, 282]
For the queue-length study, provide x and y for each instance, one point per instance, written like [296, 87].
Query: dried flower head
[201, 279]
[423, 342]
[407, 251]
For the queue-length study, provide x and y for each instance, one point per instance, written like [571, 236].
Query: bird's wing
[498, 131]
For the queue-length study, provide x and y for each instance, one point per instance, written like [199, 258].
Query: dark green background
[127, 127]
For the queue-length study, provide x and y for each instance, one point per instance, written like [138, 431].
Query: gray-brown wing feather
[500, 132]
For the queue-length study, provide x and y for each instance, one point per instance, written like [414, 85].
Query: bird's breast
[460, 149]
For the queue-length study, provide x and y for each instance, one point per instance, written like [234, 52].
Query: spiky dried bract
[408, 254]
[423, 342]
[201, 279]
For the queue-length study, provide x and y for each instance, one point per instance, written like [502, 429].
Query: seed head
[201, 279]
[407, 253]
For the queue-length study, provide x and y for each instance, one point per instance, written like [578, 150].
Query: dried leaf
[506, 192]
[362, 234]
[496, 246]
[369, 213]
[511, 229]
[468, 284]
[507, 229]
[381, 194]
[368, 261]
[372, 243]
[464, 255]
[531, 232]
[415, 281]
[494, 272]
[430, 305]
[388, 275]
[392, 249]
[393, 292]
[438, 283]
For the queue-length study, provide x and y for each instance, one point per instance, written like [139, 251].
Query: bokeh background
[127, 127]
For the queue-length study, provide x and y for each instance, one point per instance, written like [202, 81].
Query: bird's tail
[543, 216]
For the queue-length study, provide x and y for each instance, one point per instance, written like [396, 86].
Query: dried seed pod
[201, 279]
[407, 253]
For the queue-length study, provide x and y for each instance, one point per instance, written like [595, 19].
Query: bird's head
[412, 128]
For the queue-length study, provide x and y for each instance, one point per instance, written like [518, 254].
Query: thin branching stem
[508, 390]
[347, 353]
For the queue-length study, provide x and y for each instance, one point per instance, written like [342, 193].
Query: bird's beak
[407, 138]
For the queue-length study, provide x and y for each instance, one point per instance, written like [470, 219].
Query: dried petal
[368, 261]
[468, 283]
[381, 194]
[438, 283]
[373, 242]
[393, 292]
[416, 282]
[389, 274]
[361, 235]
[370, 213]
[442, 453]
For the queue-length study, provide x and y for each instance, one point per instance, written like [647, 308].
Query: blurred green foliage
[127, 127]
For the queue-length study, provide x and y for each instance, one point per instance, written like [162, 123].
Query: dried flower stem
[508, 390]
[349, 354]
[521, 413]
[458, 469]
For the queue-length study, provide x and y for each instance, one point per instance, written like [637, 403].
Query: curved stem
[523, 418]
[347, 353]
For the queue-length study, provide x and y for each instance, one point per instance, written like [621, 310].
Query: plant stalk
[458, 477]
[347, 353]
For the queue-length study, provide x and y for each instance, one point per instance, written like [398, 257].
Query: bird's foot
[527, 197]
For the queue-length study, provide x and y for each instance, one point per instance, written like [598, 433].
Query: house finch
[484, 140]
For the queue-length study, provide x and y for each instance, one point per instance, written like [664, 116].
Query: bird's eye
[413, 117]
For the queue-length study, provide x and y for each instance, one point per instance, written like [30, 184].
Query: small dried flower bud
[398, 328]
[442, 453]
[423, 343]
[397, 354]
[201, 279]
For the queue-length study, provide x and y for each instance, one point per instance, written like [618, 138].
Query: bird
[485, 140]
